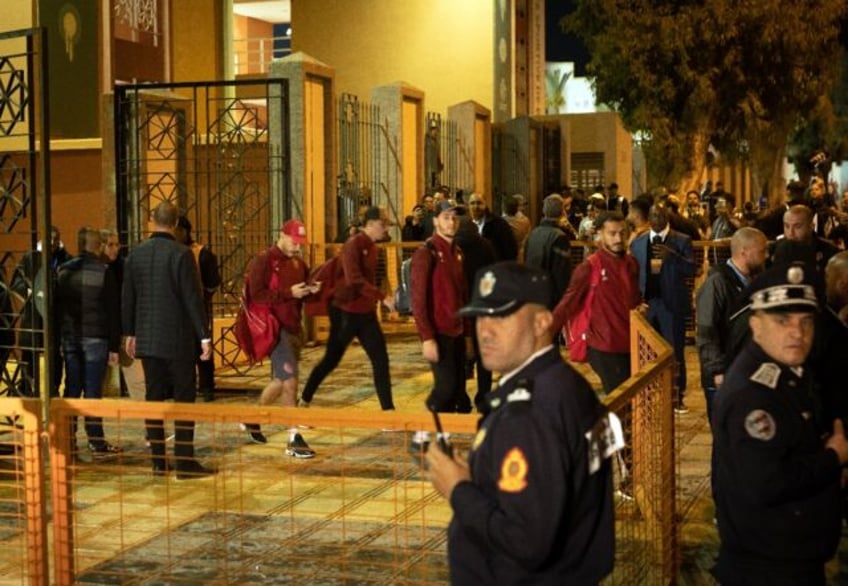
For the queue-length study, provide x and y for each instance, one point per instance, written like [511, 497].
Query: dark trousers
[733, 570]
[612, 367]
[484, 375]
[206, 376]
[672, 327]
[344, 327]
[162, 377]
[448, 394]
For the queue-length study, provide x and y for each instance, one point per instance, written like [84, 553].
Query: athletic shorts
[286, 355]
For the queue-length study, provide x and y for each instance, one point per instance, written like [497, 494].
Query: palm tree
[555, 80]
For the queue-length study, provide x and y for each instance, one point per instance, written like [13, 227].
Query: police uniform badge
[795, 275]
[514, 469]
[487, 284]
[604, 439]
[760, 425]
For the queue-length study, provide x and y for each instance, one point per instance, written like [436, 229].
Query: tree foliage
[825, 129]
[734, 73]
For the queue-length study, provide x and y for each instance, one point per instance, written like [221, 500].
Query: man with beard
[438, 292]
[713, 303]
[278, 277]
[800, 242]
[611, 276]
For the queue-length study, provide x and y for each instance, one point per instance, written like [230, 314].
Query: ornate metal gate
[25, 215]
[220, 152]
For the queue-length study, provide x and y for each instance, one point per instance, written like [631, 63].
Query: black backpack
[403, 293]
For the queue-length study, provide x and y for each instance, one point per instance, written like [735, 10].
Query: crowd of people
[491, 294]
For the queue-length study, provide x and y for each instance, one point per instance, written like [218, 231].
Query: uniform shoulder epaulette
[522, 392]
[519, 394]
[767, 374]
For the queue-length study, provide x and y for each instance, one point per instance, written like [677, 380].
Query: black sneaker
[254, 432]
[103, 450]
[299, 448]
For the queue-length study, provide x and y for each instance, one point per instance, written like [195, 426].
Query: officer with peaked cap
[533, 505]
[776, 480]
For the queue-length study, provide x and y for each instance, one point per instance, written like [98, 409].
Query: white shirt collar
[663, 234]
[511, 373]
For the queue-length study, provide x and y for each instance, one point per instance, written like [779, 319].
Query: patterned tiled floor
[283, 544]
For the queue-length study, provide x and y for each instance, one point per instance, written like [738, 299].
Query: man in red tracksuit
[279, 277]
[615, 294]
[438, 293]
[353, 311]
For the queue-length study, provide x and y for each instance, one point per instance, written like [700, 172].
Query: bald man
[715, 301]
[799, 242]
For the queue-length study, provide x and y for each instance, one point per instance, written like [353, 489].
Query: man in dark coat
[776, 479]
[210, 279]
[493, 228]
[533, 505]
[548, 247]
[477, 253]
[715, 302]
[164, 319]
[88, 298]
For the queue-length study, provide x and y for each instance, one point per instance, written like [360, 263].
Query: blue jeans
[85, 367]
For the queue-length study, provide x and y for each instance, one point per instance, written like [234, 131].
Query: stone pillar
[310, 190]
[474, 122]
[401, 182]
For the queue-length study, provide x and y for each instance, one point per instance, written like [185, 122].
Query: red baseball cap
[295, 230]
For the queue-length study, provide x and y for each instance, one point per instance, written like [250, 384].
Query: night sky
[560, 46]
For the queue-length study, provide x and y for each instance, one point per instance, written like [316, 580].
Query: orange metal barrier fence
[364, 512]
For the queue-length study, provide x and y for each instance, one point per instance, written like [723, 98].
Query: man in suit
[163, 319]
[477, 252]
[666, 260]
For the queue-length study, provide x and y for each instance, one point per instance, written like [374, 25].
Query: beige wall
[442, 47]
[16, 14]
[196, 49]
[604, 132]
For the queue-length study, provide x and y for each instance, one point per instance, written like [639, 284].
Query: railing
[253, 55]
[364, 508]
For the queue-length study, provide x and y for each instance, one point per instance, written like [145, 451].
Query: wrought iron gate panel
[208, 147]
[455, 155]
[24, 215]
[368, 161]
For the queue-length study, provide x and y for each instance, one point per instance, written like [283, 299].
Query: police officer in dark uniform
[534, 502]
[776, 479]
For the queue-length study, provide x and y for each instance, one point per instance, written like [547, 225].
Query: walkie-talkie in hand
[443, 442]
